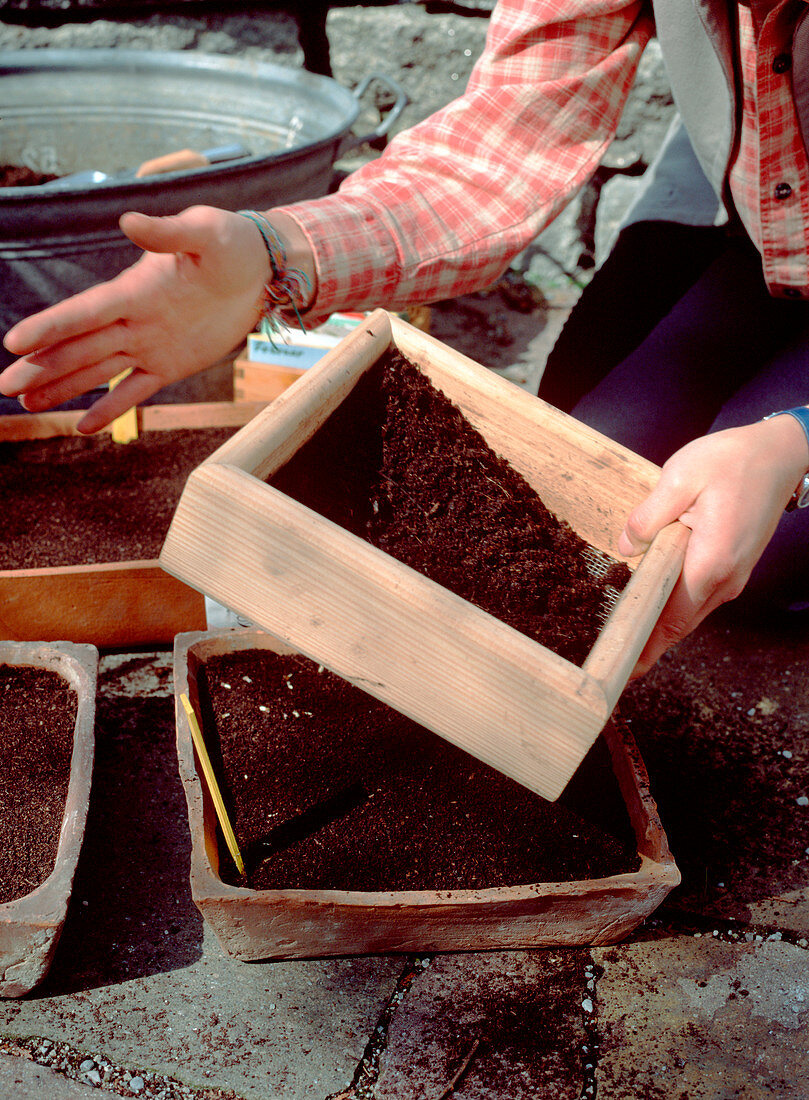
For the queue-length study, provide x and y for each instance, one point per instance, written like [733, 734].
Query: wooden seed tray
[275, 924]
[111, 603]
[30, 926]
[379, 624]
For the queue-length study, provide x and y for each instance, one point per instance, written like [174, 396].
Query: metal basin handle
[378, 134]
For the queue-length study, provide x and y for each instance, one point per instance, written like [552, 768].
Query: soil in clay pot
[76, 500]
[330, 789]
[37, 724]
[399, 465]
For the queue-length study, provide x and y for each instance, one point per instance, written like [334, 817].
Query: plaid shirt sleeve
[452, 200]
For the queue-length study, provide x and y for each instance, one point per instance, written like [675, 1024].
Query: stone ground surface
[707, 1001]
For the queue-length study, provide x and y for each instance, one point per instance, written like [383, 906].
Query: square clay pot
[301, 923]
[379, 624]
[30, 926]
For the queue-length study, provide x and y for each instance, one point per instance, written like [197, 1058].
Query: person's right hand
[188, 301]
[730, 489]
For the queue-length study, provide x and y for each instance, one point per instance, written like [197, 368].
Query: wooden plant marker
[125, 427]
[213, 786]
[406, 640]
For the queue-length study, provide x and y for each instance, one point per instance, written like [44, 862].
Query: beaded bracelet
[288, 287]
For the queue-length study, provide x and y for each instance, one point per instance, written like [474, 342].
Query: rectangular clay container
[30, 926]
[381, 625]
[111, 603]
[275, 924]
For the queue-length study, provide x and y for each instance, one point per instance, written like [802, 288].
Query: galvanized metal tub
[65, 111]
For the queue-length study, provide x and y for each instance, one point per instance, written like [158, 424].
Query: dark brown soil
[37, 722]
[329, 788]
[721, 722]
[81, 500]
[12, 175]
[399, 465]
[517, 1033]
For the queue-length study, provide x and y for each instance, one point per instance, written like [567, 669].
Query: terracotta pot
[290, 923]
[30, 926]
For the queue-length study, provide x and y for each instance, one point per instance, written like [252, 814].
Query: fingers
[729, 489]
[20, 376]
[713, 573]
[81, 381]
[133, 390]
[51, 366]
[681, 615]
[102, 305]
[66, 320]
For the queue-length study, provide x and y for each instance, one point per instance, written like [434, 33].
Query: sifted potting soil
[37, 723]
[330, 789]
[76, 500]
[399, 465]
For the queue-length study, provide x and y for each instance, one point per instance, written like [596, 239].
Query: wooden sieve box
[382, 626]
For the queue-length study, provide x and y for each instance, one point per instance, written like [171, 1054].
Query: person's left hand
[189, 300]
[730, 488]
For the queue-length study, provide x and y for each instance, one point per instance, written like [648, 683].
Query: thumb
[173, 233]
[666, 503]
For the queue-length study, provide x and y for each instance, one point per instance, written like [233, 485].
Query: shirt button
[782, 63]
[782, 190]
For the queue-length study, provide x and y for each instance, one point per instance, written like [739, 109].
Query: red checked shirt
[769, 178]
[455, 198]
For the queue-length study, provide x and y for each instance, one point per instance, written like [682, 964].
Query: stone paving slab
[703, 1019]
[504, 1024]
[788, 911]
[21, 1079]
[261, 1030]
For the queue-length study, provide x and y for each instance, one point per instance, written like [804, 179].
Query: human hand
[185, 304]
[730, 489]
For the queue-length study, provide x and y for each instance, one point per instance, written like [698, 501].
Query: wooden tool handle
[172, 162]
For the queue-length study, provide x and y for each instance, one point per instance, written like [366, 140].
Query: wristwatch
[800, 498]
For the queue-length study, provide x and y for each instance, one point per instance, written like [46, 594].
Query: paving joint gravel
[367, 1071]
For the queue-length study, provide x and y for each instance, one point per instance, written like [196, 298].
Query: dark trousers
[676, 336]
